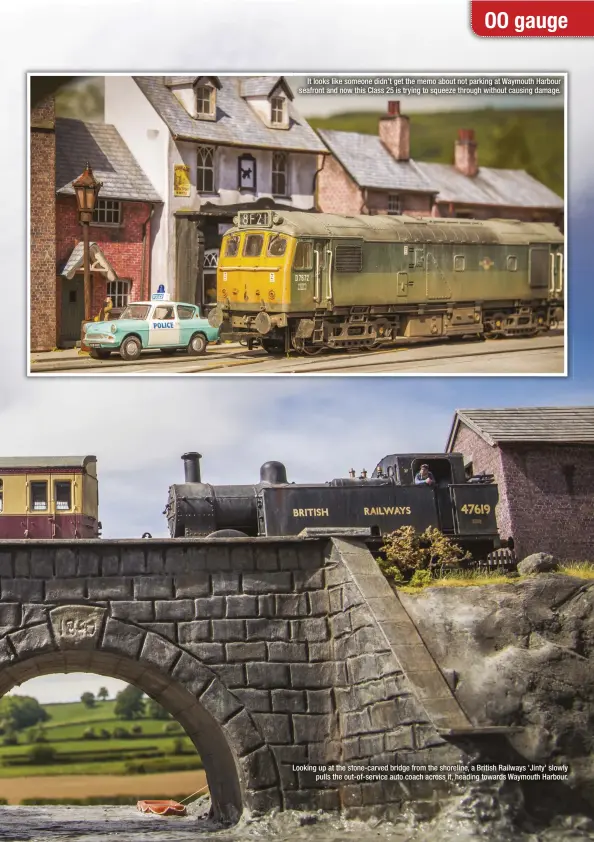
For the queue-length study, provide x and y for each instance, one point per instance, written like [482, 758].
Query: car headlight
[114, 329]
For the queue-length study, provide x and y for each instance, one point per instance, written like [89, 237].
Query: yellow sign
[181, 180]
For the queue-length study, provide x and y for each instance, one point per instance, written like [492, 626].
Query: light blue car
[166, 325]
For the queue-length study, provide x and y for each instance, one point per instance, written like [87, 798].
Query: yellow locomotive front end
[254, 277]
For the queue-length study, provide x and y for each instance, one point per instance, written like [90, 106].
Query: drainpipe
[145, 225]
[315, 182]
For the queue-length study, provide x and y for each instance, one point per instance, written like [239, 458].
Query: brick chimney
[394, 132]
[466, 158]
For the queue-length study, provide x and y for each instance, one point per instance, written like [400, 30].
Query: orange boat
[162, 808]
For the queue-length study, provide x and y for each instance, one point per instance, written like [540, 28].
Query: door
[163, 326]
[72, 310]
[322, 269]
[402, 284]
[63, 508]
[40, 521]
[437, 283]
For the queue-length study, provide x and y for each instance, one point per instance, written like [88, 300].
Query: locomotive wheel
[130, 348]
[197, 345]
[273, 346]
[496, 324]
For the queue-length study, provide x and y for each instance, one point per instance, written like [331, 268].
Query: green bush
[178, 746]
[105, 734]
[137, 729]
[41, 754]
[421, 578]
[89, 734]
[10, 739]
[406, 551]
[170, 727]
[120, 733]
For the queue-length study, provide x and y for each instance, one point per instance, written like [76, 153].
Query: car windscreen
[135, 311]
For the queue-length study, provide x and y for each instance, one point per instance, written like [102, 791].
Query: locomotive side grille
[349, 258]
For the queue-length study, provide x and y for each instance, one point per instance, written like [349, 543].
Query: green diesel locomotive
[308, 281]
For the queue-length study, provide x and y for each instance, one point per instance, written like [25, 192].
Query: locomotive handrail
[552, 284]
[560, 256]
[330, 293]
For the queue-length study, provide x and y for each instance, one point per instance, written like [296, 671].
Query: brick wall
[544, 505]
[43, 227]
[337, 192]
[121, 245]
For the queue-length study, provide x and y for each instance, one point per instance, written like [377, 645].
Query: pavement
[526, 355]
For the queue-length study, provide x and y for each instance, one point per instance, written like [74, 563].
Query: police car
[159, 323]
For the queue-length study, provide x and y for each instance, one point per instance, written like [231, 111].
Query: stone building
[543, 461]
[212, 145]
[375, 174]
[42, 265]
[120, 233]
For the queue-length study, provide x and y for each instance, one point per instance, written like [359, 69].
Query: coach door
[40, 523]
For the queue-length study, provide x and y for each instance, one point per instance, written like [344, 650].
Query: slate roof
[111, 160]
[236, 124]
[370, 164]
[491, 186]
[561, 424]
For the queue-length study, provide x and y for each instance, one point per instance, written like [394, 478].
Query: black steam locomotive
[460, 506]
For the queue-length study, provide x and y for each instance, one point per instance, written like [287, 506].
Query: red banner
[532, 18]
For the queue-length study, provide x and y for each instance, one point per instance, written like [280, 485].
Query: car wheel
[130, 348]
[197, 345]
[99, 354]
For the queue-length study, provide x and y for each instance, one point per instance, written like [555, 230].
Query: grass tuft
[473, 578]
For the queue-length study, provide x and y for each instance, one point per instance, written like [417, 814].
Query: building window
[1, 496]
[38, 495]
[277, 111]
[246, 172]
[459, 263]
[394, 203]
[253, 245]
[119, 292]
[303, 256]
[512, 263]
[464, 215]
[205, 101]
[63, 495]
[279, 173]
[107, 212]
[205, 174]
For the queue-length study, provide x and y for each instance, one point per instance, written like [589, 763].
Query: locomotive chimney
[273, 473]
[394, 132]
[192, 466]
[465, 157]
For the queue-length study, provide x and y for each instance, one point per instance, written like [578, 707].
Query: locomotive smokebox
[273, 473]
[192, 466]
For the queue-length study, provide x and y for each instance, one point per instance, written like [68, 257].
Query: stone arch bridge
[272, 654]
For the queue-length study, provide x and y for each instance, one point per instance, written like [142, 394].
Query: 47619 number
[476, 509]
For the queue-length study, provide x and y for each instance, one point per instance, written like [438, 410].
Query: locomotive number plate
[476, 509]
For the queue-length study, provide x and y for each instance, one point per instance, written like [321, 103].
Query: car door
[163, 326]
[187, 315]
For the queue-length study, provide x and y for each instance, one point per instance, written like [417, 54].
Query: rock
[537, 563]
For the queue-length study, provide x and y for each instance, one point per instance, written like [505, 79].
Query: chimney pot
[394, 107]
[394, 132]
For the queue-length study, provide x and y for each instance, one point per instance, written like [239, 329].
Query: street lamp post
[86, 189]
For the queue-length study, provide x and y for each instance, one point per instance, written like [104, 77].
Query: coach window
[38, 497]
[512, 263]
[63, 496]
[232, 246]
[277, 245]
[303, 256]
[252, 246]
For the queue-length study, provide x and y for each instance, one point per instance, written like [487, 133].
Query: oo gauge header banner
[532, 18]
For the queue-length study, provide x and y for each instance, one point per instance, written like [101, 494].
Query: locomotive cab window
[38, 497]
[459, 262]
[440, 468]
[252, 246]
[63, 496]
[232, 246]
[512, 263]
[303, 256]
[277, 245]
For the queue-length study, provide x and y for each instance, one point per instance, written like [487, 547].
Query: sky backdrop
[320, 427]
